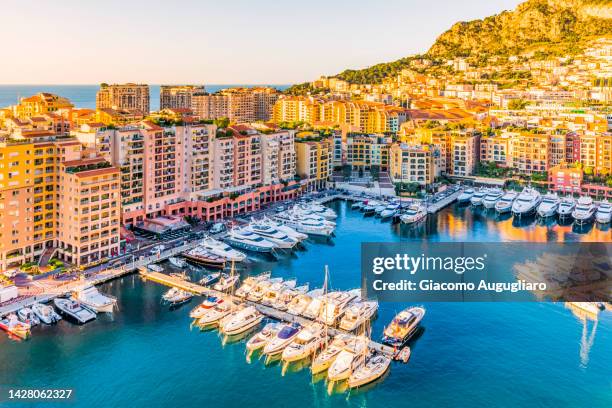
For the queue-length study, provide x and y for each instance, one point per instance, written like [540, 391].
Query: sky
[217, 42]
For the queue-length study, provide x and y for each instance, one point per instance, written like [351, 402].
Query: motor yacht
[249, 241]
[74, 310]
[584, 211]
[504, 205]
[307, 214]
[318, 209]
[221, 249]
[249, 284]
[208, 303]
[478, 196]
[285, 229]
[357, 205]
[178, 262]
[281, 239]
[527, 202]
[403, 326]
[257, 293]
[370, 207]
[314, 308]
[176, 296]
[26, 315]
[348, 360]
[566, 207]
[261, 338]
[14, 327]
[155, 268]
[46, 313]
[282, 339]
[93, 299]
[604, 212]
[414, 214]
[226, 282]
[549, 205]
[374, 368]
[380, 208]
[390, 210]
[465, 196]
[334, 307]
[298, 304]
[357, 314]
[492, 197]
[287, 295]
[212, 317]
[241, 321]
[323, 360]
[306, 226]
[210, 279]
[272, 293]
[305, 344]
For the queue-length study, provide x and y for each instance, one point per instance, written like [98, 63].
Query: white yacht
[241, 321]
[258, 291]
[178, 262]
[26, 315]
[390, 210]
[281, 239]
[349, 359]
[207, 304]
[478, 196]
[504, 205]
[465, 196]
[46, 313]
[413, 214]
[298, 304]
[370, 206]
[93, 299]
[549, 205]
[215, 314]
[155, 268]
[307, 342]
[306, 226]
[374, 368]
[318, 209]
[282, 339]
[284, 228]
[566, 207]
[357, 314]
[284, 299]
[176, 296]
[323, 360]
[75, 310]
[261, 338]
[585, 210]
[249, 284]
[357, 205]
[604, 212]
[249, 241]
[220, 248]
[335, 304]
[226, 282]
[314, 308]
[403, 326]
[526, 202]
[492, 197]
[380, 208]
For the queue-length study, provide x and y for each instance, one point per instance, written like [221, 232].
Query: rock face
[560, 24]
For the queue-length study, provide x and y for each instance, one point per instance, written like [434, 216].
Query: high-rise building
[178, 96]
[130, 97]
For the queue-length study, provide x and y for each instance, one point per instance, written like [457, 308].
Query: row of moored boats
[411, 213]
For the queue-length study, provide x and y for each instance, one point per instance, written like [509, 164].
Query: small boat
[357, 314]
[380, 208]
[323, 360]
[75, 310]
[584, 211]
[307, 225]
[93, 299]
[178, 262]
[604, 212]
[348, 360]
[306, 343]
[46, 313]
[465, 196]
[549, 205]
[492, 197]
[182, 276]
[260, 339]
[14, 327]
[241, 321]
[208, 303]
[414, 214]
[205, 258]
[26, 315]
[257, 293]
[374, 368]
[210, 279]
[214, 315]
[390, 210]
[478, 196]
[370, 207]
[566, 207]
[403, 326]
[155, 268]
[282, 339]
[504, 205]
[526, 203]
[226, 282]
[357, 205]
[176, 296]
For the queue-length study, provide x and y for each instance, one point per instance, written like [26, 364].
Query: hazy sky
[216, 42]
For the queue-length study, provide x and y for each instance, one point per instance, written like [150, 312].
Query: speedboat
[478, 196]
[323, 360]
[14, 327]
[549, 205]
[249, 241]
[415, 213]
[504, 205]
[93, 299]
[357, 314]
[604, 212]
[210, 279]
[380, 208]
[261, 338]
[390, 210]
[226, 282]
[566, 207]
[74, 310]
[220, 248]
[26, 315]
[46, 313]
[403, 326]
[155, 268]
[282, 339]
[465, 196]
[527, 202]
[176, 296]
[241, 321]
[298, 304]
[374, 368]
[306, 343]
[214, 315]
[492, 197]
[272, 234]
[208, 303]
[585, 210]
[249, 284]
[370, 207]
[178, 262]
[349, 359]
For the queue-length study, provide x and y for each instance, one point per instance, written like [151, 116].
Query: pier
[433, 208]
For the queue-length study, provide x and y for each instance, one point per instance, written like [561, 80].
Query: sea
[523, 354]
[84, 96]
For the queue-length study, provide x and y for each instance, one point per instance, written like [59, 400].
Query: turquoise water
[485, 354]
[84, 96]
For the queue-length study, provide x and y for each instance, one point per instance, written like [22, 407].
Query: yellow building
[495, 148]
[314, 161]
[40, 104]
[530, 152]
[412, 164]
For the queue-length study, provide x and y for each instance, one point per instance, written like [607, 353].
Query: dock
[268, 311]
[433, 208]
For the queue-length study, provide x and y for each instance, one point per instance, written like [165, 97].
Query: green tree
[222, 122]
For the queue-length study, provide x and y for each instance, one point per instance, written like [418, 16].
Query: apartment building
[39, 105]
[314, 161]
[412, 163]
[530, 152]
[465, 148]
[240, 105]
[367, 150]
[495, 148]
[118, 117]
[178, 96]
[130, 97]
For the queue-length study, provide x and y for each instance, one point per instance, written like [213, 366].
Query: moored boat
[374, 368]
[604, 212]
[306, 343]
[403, 326]
[74, 310]
[324, 359]
[46, 313]
[26, 315]
[465, 196]
[527, 202]
[504, 205]
[178, 262]
[549, 205]
[93, 299]
[240, 321]
[348, 360]
[282, 339]
[584, 211]
[357, 314]
[261, 338]
[14, 327]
